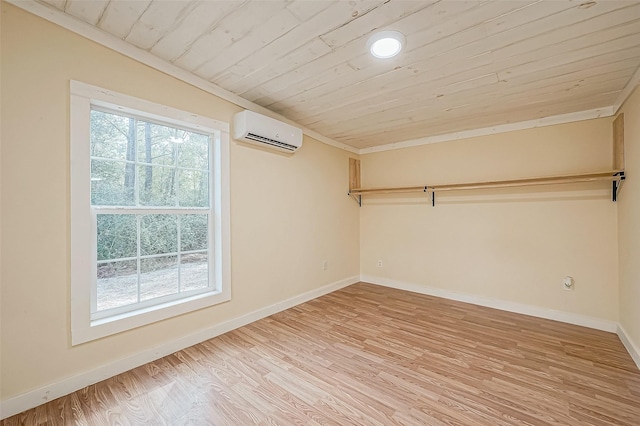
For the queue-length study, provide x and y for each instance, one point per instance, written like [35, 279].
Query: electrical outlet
[379, 263]
[568, 284]
[325, 265]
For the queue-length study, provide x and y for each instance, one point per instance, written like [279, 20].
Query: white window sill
[126, 321]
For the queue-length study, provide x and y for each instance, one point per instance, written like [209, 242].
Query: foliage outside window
[137, 165]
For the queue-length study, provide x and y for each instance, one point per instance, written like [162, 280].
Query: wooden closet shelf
[611, 175]
[616, 176]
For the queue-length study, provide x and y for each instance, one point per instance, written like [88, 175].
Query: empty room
[320, 212]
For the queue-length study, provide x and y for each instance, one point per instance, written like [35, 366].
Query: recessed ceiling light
[385, 44]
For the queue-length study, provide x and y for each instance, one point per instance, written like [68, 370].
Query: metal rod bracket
[432, 195]
[616, 184]
[357, 198]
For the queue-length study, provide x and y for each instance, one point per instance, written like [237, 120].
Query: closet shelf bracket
[432, 195]
[616, 184]
[358, 198]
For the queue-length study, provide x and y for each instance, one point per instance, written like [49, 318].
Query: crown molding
[521, 125]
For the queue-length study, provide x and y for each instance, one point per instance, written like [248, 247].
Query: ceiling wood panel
[266, 97]
[431, 52]
[88, 11]
[428, 115]
[433, 17]
[201, 19]
[305, 10]
[605, 83]
[243, 75]
[379, 76]
[441, 62]
[570, 32]
[158, 19]
[119, 17]
[410, 87]
[429, 110]
[385, 14]
[527, 14]
[466, 64]
[401, 107]
[475, 120]
[58, 4]
[450, 84]
[233, 27]
[274, 27]
[260, 67]
[366, 118]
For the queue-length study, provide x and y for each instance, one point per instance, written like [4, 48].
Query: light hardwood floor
[370, 355]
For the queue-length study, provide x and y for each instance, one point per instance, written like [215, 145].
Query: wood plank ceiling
[466, 65]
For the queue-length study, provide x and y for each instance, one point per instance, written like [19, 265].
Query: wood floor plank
[370, 355]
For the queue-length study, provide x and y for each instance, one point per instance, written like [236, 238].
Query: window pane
[158, 277]
[194, 152]
[112, 183]
[194, 188]
[117, 236]
[157, 185]
[193, 232]
[156, 144]
[117, 284]
[112, 136]
[194, 271]
[158, 234]
[136, 164]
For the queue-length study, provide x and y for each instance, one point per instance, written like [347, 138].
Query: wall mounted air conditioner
[251, 127]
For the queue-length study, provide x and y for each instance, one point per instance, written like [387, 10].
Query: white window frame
[83, 232]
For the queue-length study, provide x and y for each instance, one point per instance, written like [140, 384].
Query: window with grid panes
[155, 214]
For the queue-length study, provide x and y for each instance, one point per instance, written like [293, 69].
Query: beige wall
[629, 223]
[288, 214]
[510, 245]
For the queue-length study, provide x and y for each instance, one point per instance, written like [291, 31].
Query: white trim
[317, 136]
[633, 350]
[626, 92]
[520, 308]
[115, 101]
[114, 43]
[63, 387]
[503, 128]
[83, 328]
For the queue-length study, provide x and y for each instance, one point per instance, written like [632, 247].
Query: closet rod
[611, 175]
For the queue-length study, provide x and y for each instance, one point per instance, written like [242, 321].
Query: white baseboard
[520, 308]
[68, 385]
[629, 345]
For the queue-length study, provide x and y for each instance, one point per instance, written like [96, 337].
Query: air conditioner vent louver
[273, 142]
[254, 128]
